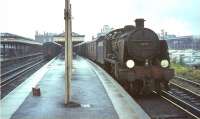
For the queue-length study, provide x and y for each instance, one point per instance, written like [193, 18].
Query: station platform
[99, 96]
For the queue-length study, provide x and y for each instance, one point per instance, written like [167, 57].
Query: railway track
[188, 81]
[186, 104]
[160, 107]
[14, 77]
[184, 99]
[13, 63]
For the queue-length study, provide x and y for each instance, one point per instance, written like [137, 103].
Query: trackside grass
[187, 72]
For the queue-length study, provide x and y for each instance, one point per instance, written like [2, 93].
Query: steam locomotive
[134, 55]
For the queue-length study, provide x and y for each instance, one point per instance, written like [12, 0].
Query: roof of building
[73, 35]
[8, 37]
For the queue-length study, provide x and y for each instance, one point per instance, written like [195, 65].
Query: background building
[53, 37]
[76, 38]
[11, 37]
[13, 46]
[106, 29]
[44, 37]
[165, 36]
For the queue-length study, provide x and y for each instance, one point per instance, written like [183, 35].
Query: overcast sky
[24, 17]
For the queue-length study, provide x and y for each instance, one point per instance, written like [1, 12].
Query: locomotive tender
[134, 55]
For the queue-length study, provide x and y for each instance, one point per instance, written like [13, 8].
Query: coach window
[4, 49]
[23, 50]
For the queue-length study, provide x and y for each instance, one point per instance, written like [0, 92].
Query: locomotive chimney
[139, 23]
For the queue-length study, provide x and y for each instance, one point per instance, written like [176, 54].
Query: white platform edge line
[7, 106]
[127, 108]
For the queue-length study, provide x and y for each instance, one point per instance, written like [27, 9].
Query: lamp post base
[72, 104]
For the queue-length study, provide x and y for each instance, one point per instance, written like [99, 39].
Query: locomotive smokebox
[139, 23]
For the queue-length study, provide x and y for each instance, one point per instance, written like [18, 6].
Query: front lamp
[130, 64]
[164, 63]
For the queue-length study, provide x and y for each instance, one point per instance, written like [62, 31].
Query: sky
[24, 17]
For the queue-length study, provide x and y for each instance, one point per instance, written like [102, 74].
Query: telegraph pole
[68, 51]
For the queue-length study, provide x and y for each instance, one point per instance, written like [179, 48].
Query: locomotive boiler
[135, 56]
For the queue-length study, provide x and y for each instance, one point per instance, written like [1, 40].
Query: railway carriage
[51, 49]
[100, 50]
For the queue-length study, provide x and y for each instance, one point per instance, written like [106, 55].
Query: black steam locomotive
[134, 55]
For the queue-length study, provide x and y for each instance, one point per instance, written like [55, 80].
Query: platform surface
[95, 96]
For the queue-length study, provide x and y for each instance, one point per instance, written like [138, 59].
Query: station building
[17, 46]
[59, 38]
[76, 38]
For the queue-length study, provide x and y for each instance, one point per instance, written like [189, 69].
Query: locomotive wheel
[108, 67]
[146, 89]
[112, 70]
[157, 86]
[164, 85]
[125, 84]
[135, 87]
[116, 72]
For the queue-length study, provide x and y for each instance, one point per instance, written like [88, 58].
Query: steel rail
[22, 57]
[188, 81]
[184, 89]
[16, 75]
[191, 109]
[2, 76]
